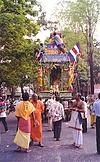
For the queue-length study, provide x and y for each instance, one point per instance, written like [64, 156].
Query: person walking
[49, 104]
[92, 114]
[3, 114]
[96, 110]
[84, 124]
[67, 112]
[23, 111]
[36, 128]
[57, 113]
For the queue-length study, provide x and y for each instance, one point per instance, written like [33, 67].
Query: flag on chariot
[72, 54]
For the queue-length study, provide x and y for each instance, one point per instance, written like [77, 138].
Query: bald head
[78, 96]
[34, 97]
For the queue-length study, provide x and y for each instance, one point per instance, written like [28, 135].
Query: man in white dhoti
[76, 121]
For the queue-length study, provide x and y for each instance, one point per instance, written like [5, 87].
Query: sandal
[25, 150]
[18, 149]
[73, 144]
[79, 147]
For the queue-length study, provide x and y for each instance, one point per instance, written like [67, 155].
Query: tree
[81, 73]
[97, 65]
[83, 15]
[17, 60]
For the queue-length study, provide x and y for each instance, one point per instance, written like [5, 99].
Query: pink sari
[24, 125]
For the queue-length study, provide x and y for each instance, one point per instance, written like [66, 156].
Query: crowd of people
[29, 119]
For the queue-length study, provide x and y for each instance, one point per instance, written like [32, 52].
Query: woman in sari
[23, 111]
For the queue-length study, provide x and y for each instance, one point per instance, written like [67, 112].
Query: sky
[49, 6]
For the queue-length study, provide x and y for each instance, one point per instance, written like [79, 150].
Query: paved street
[53, 151]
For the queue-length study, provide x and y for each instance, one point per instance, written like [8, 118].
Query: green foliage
[70, 39]
[97, 65]
[77, 14]
[14, 26]
[81, 17]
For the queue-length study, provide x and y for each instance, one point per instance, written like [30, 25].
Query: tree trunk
[12, 92]
[21, 85]
[91, 57]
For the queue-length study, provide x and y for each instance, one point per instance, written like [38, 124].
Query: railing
[63, 94]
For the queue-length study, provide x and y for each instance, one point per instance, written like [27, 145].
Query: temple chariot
[55, 73]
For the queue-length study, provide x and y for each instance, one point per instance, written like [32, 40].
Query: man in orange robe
[36, 127]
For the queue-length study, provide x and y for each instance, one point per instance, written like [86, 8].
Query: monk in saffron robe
[36, 127]
[24, 109]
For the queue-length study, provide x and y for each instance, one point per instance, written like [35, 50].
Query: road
[53, 151]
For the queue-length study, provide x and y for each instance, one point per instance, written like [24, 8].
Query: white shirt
[65, 104]
[49, 103]
[58, 40]
[85, 108]
[3, 114]
[56, 111]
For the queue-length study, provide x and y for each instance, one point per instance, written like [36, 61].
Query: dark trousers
[67, 116]
[84, 125]
[3, 119]
[17, 124]
[98, 133]
[57, 129]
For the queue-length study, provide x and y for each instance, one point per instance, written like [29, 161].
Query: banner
[59, 58]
